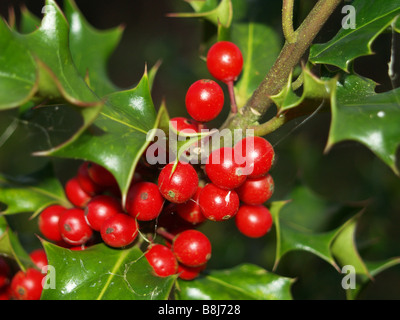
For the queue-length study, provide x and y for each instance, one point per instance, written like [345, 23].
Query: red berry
[100, 208]
[255, 191]
[257, 154]
[144, 201]
[180, 185]
[86, 182]
[225, 61]
[73, 227]
[101, 175]
[119, 230]
[48, 222]
[27, 285]
[75, 194]
[192, 248]
[39, 258]
[189, 273]
[204, 100]
[218, 204]
[162, 260]
[253, 221]
[222, 169]
[190, 210]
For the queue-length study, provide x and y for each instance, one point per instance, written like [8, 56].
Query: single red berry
[222, 169]
[144, 201]
[218, 204]
[253, 221]
[27, 285]
[190, 210]
[204, 100]
[189, 273]
[39, 258]
[255, 191]
[225, 61]
[119, 230]
[180, 185]
[100, 208]
[162, 259]
[192, 248]
[73, 227]
[257, 155]
[4, 273]
[48, 222]
[86, 182]
[101, 175]
[75, 194]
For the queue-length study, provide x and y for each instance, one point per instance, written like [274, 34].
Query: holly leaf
[372, 19]
[102, 273]
[244, 282]
[18, 71]
[315, 91]
[119, 135]
[31, 193]
[345, 252]
[260, 45]
[211, 10]
[360, 114]
[290, 237]
[91, 49]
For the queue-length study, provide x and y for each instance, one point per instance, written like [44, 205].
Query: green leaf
[18, 71]
[209, 9]
[345, 252]
[260, 45]
[91, 49]
[315, 91]
[292, 237]
[244, 282]
[31, 193]
[117, 138]
[360, 114]
[102, 273]
[11, 247]
[372, 18]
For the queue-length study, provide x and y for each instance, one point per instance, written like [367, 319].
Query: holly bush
[318, 82]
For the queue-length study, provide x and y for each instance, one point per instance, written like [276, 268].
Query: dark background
[349, 173]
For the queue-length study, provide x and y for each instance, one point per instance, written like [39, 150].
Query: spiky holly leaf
[91, 49]
[102, 273]
[119, 135]
[361, 114]
[372, 18]
[244, 282]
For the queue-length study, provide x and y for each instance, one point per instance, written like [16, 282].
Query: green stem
[287, 21]
[269, 126]
[289, 57]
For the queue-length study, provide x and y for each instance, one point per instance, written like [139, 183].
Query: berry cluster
[174, 200]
